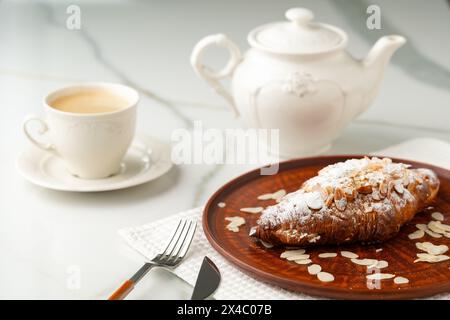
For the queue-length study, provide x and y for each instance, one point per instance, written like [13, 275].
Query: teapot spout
[381, 52]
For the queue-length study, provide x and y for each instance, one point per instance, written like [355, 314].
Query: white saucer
[146, 160]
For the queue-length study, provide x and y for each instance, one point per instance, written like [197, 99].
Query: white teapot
[298, 78]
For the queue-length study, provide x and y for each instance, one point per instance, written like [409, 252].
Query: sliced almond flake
[314, 269]
[267, 196]
[437, 216]
[406, 181]
[348, 191]
[303, 261]
[390, 187]
[380, 276]
[221, 204]
[266, 244]
[376, 195]
[436, 226]
[421, 226]
[314, 239]
[383, 188]
[340, 204]
[400, 280]
[379, 265]
[329, 200]
[235, 223]
[447, 234]
[288, 253]
[237, 219]
[325, 276]
[398, 186]
[327, 255]
[364, 262]
[379, 250]
[433, 234]
[278, 195]
[340, 200]
[297, 257]
[348, 254]
[252, 210]
[315, 201]
[431, 248]
[416, 234]
[439, 225]
[339, 193]
[425, 257]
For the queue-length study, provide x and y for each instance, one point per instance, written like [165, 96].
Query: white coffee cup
[92, 145]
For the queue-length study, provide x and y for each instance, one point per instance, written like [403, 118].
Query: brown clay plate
[350, 282]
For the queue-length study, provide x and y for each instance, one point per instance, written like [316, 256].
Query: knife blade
[208, 280]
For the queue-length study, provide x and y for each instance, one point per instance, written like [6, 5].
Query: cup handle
[42, 130]
[213, 77]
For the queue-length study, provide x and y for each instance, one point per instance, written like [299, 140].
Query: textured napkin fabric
[151, 238]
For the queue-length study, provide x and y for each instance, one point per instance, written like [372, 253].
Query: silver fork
[171, 257]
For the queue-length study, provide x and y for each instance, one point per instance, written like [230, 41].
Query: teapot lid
[298, 36]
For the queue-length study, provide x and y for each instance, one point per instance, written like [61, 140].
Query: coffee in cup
[90, 101]
[90, 127]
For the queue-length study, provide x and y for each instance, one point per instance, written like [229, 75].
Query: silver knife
[208, 280]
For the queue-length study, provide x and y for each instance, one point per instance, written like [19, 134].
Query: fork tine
[164, 259]
[182, 242]
[173, 237]
[185, 247]
[181, 235]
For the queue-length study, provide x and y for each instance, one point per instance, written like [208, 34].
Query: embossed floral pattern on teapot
[297, 77]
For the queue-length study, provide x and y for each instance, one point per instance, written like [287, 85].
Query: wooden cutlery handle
[123, 291]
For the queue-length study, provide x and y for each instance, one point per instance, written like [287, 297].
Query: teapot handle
[213, 77]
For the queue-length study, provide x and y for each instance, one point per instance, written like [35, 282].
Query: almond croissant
[365, 200]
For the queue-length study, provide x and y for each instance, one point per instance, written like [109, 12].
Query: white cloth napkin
[150, 238]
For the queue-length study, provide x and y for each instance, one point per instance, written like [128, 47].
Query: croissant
[359, 200]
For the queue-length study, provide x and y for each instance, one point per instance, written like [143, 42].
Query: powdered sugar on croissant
[364, 200]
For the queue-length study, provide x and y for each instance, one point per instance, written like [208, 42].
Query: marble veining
[99, 56]
[411, 59]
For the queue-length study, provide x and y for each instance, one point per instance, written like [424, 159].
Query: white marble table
[47, 236]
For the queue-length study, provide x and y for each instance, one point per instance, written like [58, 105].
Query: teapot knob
[299, 16]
